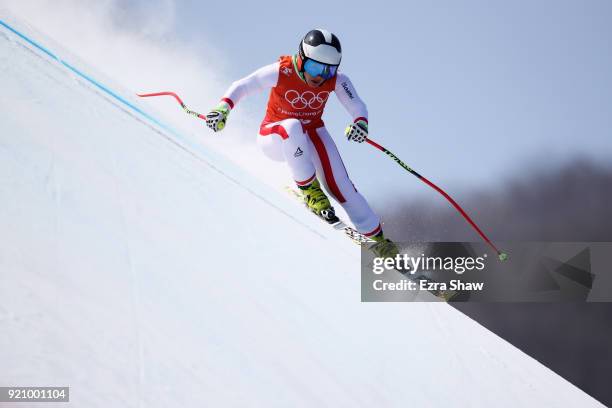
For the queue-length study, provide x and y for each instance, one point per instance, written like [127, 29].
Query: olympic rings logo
[307, 99]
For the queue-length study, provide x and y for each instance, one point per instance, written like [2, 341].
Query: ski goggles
[316, 69]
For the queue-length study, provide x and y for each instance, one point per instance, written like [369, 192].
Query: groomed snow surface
[142, 270]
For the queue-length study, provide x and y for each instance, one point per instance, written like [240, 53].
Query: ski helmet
[321, 47]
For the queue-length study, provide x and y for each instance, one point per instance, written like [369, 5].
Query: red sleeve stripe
[229, 102]
[361, 118]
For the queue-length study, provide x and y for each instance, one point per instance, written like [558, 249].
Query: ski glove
[357, 132]
[216, 118]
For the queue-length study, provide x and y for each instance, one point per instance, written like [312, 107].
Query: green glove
[357, 132]
[216, 118]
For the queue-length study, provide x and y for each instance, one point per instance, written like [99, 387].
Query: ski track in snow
[141, 270]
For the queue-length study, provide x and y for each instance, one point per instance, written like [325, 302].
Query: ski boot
[317, 201]
[384, 247]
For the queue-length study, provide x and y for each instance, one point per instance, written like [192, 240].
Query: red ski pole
[187, 110]
[502, 255]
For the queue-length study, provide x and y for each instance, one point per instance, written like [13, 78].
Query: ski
[361, 240]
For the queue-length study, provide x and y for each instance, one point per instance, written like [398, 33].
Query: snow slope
[140, 269]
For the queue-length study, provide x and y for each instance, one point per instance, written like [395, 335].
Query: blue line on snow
[88, 78]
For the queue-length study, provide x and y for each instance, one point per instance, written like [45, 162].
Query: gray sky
[464, 91]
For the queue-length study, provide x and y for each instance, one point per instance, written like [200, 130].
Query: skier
[293, 131]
